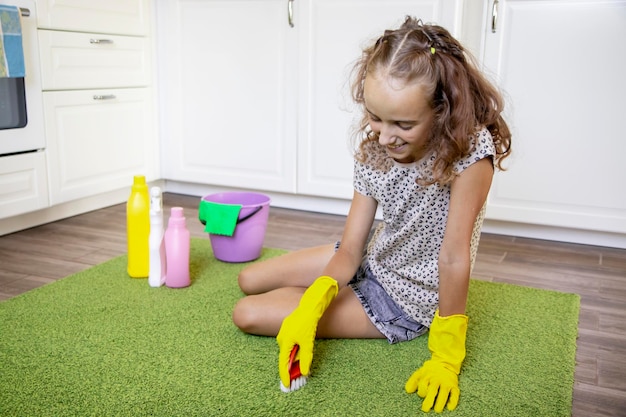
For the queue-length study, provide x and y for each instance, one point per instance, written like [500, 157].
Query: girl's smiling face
[400, 114]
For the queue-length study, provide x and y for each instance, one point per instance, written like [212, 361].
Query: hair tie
[432, 50]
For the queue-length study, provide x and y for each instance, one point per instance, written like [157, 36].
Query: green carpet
[100, 343]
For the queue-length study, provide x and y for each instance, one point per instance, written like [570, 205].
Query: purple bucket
[246, 242]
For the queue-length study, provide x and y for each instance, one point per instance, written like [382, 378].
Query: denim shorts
[382, 310]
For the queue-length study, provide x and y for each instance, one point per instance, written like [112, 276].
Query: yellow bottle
[138, 228]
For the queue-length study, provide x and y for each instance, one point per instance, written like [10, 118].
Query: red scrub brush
[296, 379]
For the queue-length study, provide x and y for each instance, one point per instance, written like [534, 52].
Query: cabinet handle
[104, 97]
[100, 41]
[494, 16]
[25, 12]
[290, 12]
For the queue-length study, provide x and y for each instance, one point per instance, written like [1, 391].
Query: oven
[21, 108]
[23, 167]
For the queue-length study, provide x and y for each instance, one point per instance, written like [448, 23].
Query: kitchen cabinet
[23, 178]
[228, 88]
[97, 96]
[561, 65]
[23, 183]
[83, 60]
[100, 139]
[251, 101]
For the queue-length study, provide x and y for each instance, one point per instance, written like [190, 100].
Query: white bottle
[158, 266]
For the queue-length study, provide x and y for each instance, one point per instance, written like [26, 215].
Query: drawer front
[87, 60]
[23, 184]
[127, 17]
[97, 140]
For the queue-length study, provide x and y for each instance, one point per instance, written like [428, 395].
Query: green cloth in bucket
[219, 219]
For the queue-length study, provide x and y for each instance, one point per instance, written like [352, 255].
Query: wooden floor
[41, 255]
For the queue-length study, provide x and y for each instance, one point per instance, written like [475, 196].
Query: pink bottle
[177, 241]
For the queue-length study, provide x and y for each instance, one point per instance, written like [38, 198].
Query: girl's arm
[437, 379]
[300, 327]
[467, 196]
[343, 265]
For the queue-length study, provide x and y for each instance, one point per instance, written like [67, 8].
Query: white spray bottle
[158, 266]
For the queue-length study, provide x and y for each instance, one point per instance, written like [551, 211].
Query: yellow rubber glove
[437, 380]
[300, 327]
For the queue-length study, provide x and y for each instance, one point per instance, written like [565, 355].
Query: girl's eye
[405, 127]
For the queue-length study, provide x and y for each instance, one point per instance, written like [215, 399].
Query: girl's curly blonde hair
[462, 99]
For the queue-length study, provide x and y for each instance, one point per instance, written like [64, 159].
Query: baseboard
[558, 234]
[297, 202]
[341, 207]
[65, 210]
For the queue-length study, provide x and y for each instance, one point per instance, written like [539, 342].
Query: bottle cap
[177, 216]
[139, 183]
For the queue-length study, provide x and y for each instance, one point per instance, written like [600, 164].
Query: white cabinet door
[228, 82]
[332, 34]
[97, 140]
[561, 64]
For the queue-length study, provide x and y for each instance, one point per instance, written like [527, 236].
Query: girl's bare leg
[294, 269]
[275, 287]
[263, 314]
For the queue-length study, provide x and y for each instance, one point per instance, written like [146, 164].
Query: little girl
[430, 137]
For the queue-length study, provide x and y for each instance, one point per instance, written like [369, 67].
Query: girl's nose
[385, 137]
